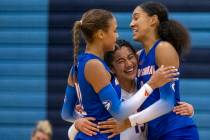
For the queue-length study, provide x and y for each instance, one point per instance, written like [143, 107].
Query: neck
[127, 85]
[148, 42]
[95, 49]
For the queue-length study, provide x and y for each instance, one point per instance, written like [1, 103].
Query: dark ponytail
[168, 30]
[173, 32]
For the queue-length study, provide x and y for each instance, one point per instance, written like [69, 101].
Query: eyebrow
[135, 14]
[118, 59]
[131, 54]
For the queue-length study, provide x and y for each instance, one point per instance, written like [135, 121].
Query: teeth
[130, 70]
[135, 30]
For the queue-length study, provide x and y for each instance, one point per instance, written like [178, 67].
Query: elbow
[63, 116]
[66, 116]
[67, 112]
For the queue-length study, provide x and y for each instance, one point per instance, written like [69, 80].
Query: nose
[131, 24]
[129, 63]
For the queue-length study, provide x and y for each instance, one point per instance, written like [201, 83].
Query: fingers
[91, 128]
[171, 73]
[111, 119]
[104, 123]
[90, 124]
[109, 126]
[168, 68]
[162, 66]
[174, 79]
[107, 123]
[88, 132]
[111, 136]
[90, 118]
[180, 108]
[106, 126]
[183, 109]
[86, 126]
[107, 131]
[168, 74]
[182, 112]
[182, 105]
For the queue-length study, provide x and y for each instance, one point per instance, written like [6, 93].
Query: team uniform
[102, 105]
[169, 126]
[90, 100]
[137, 132]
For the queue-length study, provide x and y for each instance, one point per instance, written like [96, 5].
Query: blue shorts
[82, 136]
[185, 133]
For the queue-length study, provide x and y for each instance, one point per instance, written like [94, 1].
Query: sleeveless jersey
[89, 98]
[170, 121]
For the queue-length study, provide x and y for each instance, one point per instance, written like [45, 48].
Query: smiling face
[124, 65]
[140, 24]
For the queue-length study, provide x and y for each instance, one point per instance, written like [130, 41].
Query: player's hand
[86, 126]
[112, 126]
[79, 108]
[184, 109]
[162, 76]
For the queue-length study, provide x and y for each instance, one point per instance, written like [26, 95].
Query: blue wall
[23, 59]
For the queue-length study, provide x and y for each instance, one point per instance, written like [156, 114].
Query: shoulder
[96, 74]
[94, 65]
[164, 45]
[166, 54]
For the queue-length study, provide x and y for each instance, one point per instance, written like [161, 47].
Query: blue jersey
[90, 100]
[170, 121]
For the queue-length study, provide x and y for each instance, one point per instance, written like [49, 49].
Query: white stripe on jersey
[131, 133]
